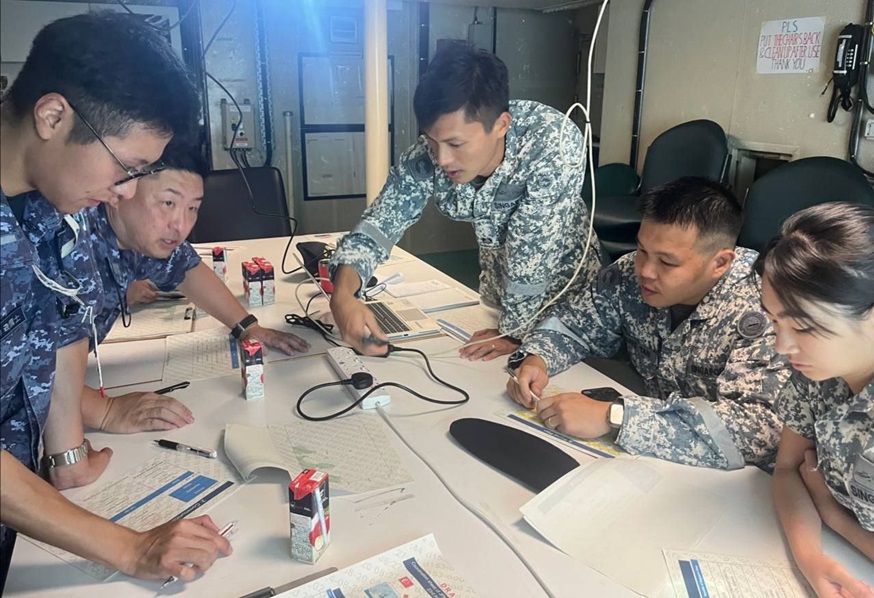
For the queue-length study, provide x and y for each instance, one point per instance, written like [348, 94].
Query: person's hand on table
[357, 323]
[141, 291]
[288, 343]
[574, 414]
[82, 473]
[489, 349]
[179, 548]
[829, 579]
[144, 411]
[532, 379]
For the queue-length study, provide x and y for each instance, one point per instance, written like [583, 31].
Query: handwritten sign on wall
[790, 46]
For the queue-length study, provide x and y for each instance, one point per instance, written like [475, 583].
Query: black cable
[169, 27]
[219, 28]
[353, 381]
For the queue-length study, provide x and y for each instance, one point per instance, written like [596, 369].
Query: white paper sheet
[415, 570]
[168, 487]
[463, 322]
[616, 515]
[408, 289]
[698, 574]
[213, 353]
[354, 450]
[440, 301]
[155, 320]
[124, 364]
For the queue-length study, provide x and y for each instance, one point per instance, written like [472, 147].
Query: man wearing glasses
[92, 109]
[144, 238]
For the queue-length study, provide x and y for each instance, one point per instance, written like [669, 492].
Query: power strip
[346, 363]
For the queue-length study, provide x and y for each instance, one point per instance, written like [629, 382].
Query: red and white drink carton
[252, 369]
[310, 515]
[219, 263]
[252, 283]
[268, 281]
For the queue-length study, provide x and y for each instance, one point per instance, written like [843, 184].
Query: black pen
[268, 592]
[180, 386]
[178, 446]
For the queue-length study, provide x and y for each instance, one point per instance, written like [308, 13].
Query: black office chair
[226, 212]
[795, 186]
[695, 148]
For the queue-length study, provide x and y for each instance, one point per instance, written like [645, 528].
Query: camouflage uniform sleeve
[399, 205]
[740, 426]
[794, 407]
[580, 326]
[169, 273]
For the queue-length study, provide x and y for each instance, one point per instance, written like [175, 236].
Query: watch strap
[240, 328]
[68, 457]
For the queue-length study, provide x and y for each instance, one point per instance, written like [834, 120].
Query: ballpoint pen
[178, 446]
[224, 531]
[166, 389]
[519, 384]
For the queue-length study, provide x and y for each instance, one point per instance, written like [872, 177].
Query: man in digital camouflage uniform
[513, 169]
[686, 305]
[73, 135]
[144, 238]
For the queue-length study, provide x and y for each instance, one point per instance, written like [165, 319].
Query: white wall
[702, 64]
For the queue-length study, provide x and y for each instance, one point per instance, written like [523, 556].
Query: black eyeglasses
[132, 173]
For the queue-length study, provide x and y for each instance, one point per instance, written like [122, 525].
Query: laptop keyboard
[388, 321]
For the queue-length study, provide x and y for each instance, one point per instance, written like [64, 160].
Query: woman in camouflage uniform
[818, 289]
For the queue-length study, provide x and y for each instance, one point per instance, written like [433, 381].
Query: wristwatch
[616, 414]
[240, 328]
[70, 457]
[515, 360]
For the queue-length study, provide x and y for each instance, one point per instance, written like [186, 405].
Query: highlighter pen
[172, 579]
[519, 384]
[178, 446]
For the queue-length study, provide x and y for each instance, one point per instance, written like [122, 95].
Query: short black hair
[115, 69]
[181, 154]
[698, 202]
[461, 76]
[823, 255]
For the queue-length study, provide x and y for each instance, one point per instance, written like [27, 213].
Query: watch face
[616, 415]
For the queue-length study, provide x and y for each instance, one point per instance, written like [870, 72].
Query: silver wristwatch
[69, 457]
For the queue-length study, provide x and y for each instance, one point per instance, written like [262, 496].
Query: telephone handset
[847, 66]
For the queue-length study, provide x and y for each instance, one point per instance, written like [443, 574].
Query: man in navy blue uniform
[92, 109]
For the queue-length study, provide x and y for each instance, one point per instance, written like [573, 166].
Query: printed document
[155, 320]
[124, 364]
[171, 486]
[616, 515]
[415, 570]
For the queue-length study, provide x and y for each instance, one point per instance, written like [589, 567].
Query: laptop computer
[399, 319]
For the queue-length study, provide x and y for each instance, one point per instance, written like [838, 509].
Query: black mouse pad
[526, 458]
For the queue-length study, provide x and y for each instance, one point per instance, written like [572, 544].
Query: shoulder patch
[421, 168]
[608, 277]
[752, 324]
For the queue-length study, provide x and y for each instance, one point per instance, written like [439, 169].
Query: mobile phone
[607, 394]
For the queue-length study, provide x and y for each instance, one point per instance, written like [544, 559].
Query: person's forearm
[94, 408]
[843, 523]
[347, 281]
[210, 293]
[32, 507]
[64, 428]
[798, 515]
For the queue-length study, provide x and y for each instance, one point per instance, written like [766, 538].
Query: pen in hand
[166, 389]
[519, 384]
[224, 531]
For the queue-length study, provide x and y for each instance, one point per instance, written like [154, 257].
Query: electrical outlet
[869, 129]
[242, 135]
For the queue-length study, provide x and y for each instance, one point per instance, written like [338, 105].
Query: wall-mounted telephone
[847, 66]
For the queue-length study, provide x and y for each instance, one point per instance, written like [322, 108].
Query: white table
[261, 546]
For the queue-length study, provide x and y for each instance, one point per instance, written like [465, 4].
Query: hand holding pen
[523, 382]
